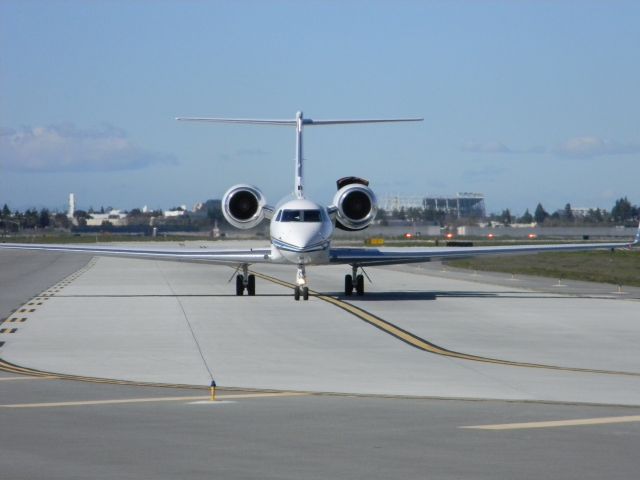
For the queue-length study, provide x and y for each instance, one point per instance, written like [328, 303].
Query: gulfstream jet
[301, 229]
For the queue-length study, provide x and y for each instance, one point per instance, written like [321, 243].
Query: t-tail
[299, 122]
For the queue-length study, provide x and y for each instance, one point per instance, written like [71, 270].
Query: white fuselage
[301, 233]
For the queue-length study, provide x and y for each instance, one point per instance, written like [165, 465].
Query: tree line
[622, 213]
[31, 218]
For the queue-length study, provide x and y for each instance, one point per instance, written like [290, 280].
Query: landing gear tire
[305, 293]
[360, 285]
[296, 293]
[239, 285]
[348, 285]
[251, 286]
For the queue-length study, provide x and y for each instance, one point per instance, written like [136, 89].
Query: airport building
[116, 218]
[460, 205]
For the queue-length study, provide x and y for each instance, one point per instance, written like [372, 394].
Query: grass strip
[618, 268]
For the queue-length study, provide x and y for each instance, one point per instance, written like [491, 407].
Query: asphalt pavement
[55, 428]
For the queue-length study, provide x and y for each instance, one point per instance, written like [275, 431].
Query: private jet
[301, 229]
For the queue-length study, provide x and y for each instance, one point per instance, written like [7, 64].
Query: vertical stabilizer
[298, 186]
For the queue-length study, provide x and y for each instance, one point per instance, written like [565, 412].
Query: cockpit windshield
[300, 216]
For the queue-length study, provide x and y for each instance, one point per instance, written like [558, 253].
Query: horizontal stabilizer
[293, 123]
[249, 121]
[308, 121]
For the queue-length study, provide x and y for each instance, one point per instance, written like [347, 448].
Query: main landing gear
[301, 289]
[354, 281]
[245, 281]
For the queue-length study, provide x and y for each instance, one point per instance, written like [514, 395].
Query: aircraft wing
[228, 256]
[393, 256]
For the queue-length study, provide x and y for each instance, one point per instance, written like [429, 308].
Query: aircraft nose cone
[311, 238]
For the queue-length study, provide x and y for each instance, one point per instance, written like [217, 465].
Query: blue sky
[523, 101]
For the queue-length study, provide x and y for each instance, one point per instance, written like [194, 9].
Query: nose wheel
[301, 289]
[301, 292]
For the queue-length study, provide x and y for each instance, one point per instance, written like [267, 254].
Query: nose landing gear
[301, 289]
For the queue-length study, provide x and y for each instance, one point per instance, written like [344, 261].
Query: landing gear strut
[354, 281]
[301, 287]
[245, 281]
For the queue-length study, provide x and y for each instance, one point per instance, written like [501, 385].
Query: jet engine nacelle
[356, 204]
[243, 206]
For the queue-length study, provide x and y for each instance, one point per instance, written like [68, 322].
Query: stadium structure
[460, 205]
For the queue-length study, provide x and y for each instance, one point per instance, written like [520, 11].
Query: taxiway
[378, 385]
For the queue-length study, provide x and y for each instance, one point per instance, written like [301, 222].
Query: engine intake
[243, 206]
[356, 204]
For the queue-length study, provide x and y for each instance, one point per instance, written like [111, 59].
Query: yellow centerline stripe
[7, 379]
[427, 346]
[8, 367]
[152, 400]
[558, 423]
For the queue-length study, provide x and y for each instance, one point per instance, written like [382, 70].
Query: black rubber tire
[348, 285]
[239, 285]
[251, 287]
[360, 285]
[305, 293]
[296, 293]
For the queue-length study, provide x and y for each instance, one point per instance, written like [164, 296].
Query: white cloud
[592, 146]
[486, 147]
[64, 147]
[576, 147]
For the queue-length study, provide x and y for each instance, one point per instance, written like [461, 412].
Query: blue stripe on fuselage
[293, 248]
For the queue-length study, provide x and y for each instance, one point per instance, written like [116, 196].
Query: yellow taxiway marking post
[150, 400]
[212, 390]
[558, 423]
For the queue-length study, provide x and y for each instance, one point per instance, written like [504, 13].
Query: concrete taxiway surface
[129, 319]
[155, 321]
